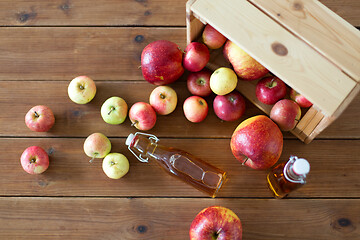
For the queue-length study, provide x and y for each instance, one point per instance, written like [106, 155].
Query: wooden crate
[302, 42]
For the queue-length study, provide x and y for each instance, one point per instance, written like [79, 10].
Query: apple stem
[162, 96]
[243, 163]
[33, 160]
[181, 50]
[36, 114]
[91, 160]
[139, 67]
[218, 232]
[81, 87]
[111, 109]
[272, 82]
[135, 122]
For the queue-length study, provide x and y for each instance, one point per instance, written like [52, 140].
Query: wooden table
[44, 44]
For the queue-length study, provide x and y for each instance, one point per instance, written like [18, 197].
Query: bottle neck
[143, 147]
[290, 175]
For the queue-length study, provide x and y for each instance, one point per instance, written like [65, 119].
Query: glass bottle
[176, 162]
[287, 177]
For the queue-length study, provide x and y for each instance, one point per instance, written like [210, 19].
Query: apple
[257, 142]
[163, 99]
[212, 38]
[245, 66]
[198, 83]
[34, 160]
[97, 145]
[269, 90]
[196, 57]
[39, 118]
[286, 113]
[300, 99]
[229, 107]
[142, 116]
[81, 90]
[115, 165]
[114, 110]
[195, 109]
[161, 62]
[216, 222]
[223, 81]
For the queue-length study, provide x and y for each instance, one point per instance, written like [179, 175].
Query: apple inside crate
[309, 47]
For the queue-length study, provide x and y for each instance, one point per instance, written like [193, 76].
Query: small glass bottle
[287, 177]
[176, 162]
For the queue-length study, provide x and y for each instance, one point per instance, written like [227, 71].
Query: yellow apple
[115, 165]
[223, 81]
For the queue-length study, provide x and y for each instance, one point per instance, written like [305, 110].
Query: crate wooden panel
[283, 38]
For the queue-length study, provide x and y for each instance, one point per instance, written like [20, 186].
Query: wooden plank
[77, 120]
[73, 120]
[64, 52]
[109, 218]
[314, 23]
[86, 12]
[120, 13]
[297, 63]
[334, 170]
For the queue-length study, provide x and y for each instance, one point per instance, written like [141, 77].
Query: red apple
[286, 113]
[269, 90]
[257, 142]
[195, 109]
[245, 66]
[161, 62]
[212, 38]
[142, 116]
[34, 160]
[196, 57]
[39, 118]
[163, 99]
[216, 222]
[198, 83]
[300, 99]
[229, 107]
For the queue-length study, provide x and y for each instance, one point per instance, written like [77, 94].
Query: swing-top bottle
[178, 163]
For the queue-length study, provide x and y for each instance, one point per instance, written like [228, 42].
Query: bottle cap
[301, 166]
[129, 139]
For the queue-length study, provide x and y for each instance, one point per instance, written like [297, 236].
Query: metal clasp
[151, 137]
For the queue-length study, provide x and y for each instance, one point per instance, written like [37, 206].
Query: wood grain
[120, 13]
[74, 120]
[86, 12]
[334, 170]
[65, 52]
[319, 25]
[109, 218]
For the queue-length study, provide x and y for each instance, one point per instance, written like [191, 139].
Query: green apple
[97, 145]
[223, 81]
[114, 110]
[115, 165]
[81, 90]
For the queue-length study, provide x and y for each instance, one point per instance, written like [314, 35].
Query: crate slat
[321, 28]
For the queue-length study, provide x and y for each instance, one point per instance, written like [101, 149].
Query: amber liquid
[278, 184]
[183, 165]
